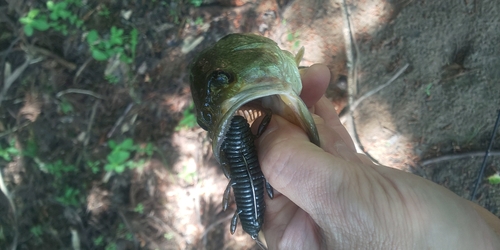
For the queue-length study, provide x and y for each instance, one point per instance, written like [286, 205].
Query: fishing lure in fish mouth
[234, 81]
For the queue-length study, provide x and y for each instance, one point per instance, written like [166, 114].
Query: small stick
[14, 129]
[377, 89]
[455, 157]
[136, 243]
[5, 191]
[87, 134]
[80, 70]
[483, 165]
[120, 120]
[60, 60]
[78, 91]
[19, 70]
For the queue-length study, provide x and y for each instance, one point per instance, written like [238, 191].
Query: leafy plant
[104, 11]
[294, 38]
[188, 120]
[112, 79]
[494, 179]
[428, 89]
[119, 158]
[10, 151]
[196, 3]
[58, 168]
[103, 49]
[99, 241]
[33, 21]
[111, 246]
[94, 166]
[65, 107]
[139, 208]
[70, 197]
[37, 231]
[199, 21]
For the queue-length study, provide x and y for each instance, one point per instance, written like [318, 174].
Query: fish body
[246, 72]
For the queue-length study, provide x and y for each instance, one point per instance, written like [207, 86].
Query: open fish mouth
[259, 100]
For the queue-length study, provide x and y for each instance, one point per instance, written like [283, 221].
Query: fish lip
[262, 91]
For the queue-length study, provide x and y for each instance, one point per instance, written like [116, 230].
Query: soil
[444, 104]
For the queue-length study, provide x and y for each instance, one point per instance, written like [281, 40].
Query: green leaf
[119, 168]
[65, 14]
[118, 157]
[494, 179]
[50, 5]
[99, 55]
[33, 13]
[28, 30]
[112, 144]
[127, 144]
[92, 37]
[40, 24]
[25, 20]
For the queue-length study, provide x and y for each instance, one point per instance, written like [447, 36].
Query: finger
[334, 142]
[315, 80]
[325, 110]
[295, 166]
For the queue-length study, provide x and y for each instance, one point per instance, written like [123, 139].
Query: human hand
[330, 197]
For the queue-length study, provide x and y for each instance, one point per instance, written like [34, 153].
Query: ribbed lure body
[246, 178]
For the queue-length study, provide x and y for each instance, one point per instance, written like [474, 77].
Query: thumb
[296, 167]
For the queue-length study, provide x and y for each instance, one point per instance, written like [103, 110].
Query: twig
[14, 129]
[87, 134]
[136, 243]
[214, 224]
[4, 58]
[12, 77]
[60, 60]
[80, 70]
[377, 89]
[78, 91]
[5, 191]
[456, 157]
[483, 165]
[352, 67]
[120, 120]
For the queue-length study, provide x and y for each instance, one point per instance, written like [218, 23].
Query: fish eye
[220, 78]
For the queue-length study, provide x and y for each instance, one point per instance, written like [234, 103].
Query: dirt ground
[444, 104]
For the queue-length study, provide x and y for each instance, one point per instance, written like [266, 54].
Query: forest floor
[99, 148]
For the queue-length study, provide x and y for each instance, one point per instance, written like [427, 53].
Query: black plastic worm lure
[246, 178]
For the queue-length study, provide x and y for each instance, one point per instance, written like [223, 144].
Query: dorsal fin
[299, 55]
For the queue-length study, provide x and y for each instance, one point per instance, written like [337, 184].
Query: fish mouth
[257, 100]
